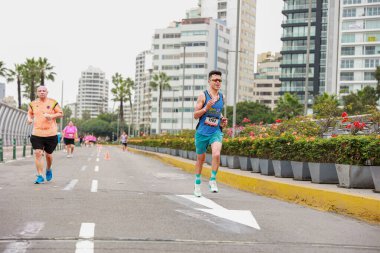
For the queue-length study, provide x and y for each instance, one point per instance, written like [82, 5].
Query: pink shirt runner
[70, 132]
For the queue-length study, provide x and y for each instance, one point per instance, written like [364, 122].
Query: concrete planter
[375, 171]
[323, 173]
[266, 167]
[223, 160]
[300, 171]
[162, 150]
[354, 176]
[255, 164]
[208, 159]
[184, 154]
[174, 152]
[233, 162]
[192, 155]
[282, 168]
[245, 163]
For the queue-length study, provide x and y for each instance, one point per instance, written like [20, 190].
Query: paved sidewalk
[363, 204]
[8, 153]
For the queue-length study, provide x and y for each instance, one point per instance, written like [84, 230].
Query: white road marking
[87, 231]
[83, 168]
[96, 168]
[97, 159]
[70, 185]
[244, 217]
[31, 229]
[94, 186]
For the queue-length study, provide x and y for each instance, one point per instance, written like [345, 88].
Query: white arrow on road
[244, 217]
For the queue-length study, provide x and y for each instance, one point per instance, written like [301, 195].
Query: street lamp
[183, 83]
[236, 67]
[307, 57]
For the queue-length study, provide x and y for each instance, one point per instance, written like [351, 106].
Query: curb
[356, 206]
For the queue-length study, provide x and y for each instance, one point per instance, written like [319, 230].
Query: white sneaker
[197, 190]
[213, 186]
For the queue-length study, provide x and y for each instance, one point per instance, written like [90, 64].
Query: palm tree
[31, 77]
[120, 94]
[129, 85]
[3, 70]
[288, 106]
[17, 74]
[160, 82]
[45, 70]
[377, 76]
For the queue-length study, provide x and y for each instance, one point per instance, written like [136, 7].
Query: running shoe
[197, 190]
[40, 179]
[49, 175]
[213, 186]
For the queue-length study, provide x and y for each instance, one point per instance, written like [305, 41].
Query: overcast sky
[107, 34]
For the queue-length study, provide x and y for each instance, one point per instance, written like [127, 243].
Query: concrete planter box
[255, 164]
[223, 160]
[174, 152]
[354, 176]
[184, 154]
[162, 150]
[300, 171]
[233, 162]
[208, 159]
[375, 172]
[245, 163]
[192, 155]
[266, 167]
[282, 168]
[323, 173]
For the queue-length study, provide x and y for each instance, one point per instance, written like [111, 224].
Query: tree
[377, 76]
[288, 106]
[45, 70]
[360, 102]
[326, 107]
[66, 115]
[253, 111]
[129, 84]
[97, 127]
[109, 117]
[120, 95]
[31, 77]
[16, 74]
[86, 115]
[160, 82]
[3, 70]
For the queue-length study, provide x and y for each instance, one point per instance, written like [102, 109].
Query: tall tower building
[186, 51]
[92, 92]
[2, 91]
[142, 94]
[226, 10]
[267, 83]
[359, 50]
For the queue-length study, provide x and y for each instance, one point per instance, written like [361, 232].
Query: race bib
[71, 135]
[211, 121]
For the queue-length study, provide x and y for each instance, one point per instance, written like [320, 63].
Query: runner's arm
[198, 110]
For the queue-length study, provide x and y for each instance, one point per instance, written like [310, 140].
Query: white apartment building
[92, 92]
[359, 50]
[267, 82]
[2, 91]
[199, 44]
[227, 10]
[142, 94]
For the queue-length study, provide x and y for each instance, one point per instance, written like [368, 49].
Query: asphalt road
[134, 203]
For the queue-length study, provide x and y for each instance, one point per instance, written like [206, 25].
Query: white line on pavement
[71, 185]
[31, 229]
[83, 168]
[96, 168]
[87, 231]
[94, 186]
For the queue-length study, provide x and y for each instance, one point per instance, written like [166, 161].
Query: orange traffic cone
[107, 156]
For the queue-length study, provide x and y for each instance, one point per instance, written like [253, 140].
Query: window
[348, 51]
[349, 13]
[222, 5]
[348, 38]
[352, 1]
[371, 63]
[369, 76]
[373, 11]
[347, 64]
[171, 35]
[347, 76]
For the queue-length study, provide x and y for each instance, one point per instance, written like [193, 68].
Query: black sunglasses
[216, 80]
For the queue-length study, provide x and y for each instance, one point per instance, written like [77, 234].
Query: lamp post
[192, 98]
[236, 67]
[183, 84]
[307, 57]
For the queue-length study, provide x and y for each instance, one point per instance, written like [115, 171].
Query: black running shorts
[68, 141]
[47, 144]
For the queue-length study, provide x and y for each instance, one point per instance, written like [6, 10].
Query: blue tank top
[209, 123]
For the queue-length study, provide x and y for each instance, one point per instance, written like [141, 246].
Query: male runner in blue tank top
[208, 110]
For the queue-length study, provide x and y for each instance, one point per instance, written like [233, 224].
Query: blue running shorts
[203, 141]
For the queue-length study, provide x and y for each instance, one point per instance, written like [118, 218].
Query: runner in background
[70, 134]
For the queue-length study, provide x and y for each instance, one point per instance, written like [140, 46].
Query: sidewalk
[363, 204]
[8, 153]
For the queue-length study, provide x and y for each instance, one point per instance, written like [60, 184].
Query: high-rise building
[92, 92]
[267, 83]
[359, 50]
[2, 91]
[142, 94]
[186, 51]
[226, 10]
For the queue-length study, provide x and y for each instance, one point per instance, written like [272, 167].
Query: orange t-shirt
[43, 127]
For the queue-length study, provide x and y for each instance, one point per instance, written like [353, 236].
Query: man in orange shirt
[43, 113]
